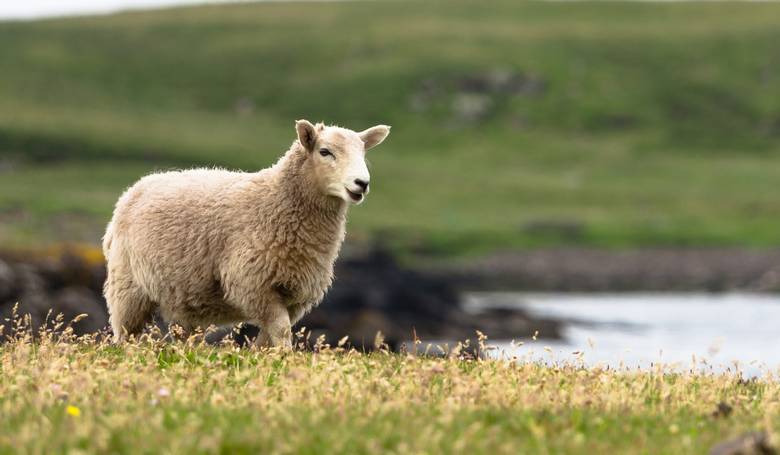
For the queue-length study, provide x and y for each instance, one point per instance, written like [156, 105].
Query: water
[637, 330]
[37, 9]
[34, 9]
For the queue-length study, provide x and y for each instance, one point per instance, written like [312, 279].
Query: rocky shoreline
[372, 292]
[599, 270]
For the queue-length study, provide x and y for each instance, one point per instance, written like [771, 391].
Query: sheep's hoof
[277, 343]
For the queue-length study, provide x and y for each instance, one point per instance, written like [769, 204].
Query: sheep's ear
[374, 135]
[307, 134]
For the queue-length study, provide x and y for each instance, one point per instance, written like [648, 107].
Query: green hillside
[514, 124]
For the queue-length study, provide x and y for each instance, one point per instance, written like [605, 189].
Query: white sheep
[209, 246]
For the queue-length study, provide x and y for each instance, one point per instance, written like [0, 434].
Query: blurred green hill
[515, 124]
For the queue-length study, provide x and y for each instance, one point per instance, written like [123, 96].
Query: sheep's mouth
[357, 197]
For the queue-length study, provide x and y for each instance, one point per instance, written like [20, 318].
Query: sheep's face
[337, 158]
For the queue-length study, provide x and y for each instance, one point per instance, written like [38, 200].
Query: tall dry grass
[62, 393]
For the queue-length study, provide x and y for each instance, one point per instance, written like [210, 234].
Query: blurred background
[599, 176]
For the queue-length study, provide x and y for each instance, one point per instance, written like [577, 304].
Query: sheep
[211, 246]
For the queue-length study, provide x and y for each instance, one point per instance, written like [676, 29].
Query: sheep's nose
[362, 183]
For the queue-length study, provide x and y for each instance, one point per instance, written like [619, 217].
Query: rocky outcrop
[372, 293]
[44, 288]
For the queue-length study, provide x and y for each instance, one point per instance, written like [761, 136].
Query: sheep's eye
[325, 152]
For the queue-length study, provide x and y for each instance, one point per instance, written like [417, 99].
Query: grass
[630, 124]
[67, 394]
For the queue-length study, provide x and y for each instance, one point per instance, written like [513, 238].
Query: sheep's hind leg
[128, 306]
[275, 327]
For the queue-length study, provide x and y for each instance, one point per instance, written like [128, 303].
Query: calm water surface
[636, 330]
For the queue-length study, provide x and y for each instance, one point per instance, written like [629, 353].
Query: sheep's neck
[316, 219]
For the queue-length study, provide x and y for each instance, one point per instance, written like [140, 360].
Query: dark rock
[755, 443]
[44, 289]
[501, 81]
[7, 281]
[67, 270]
[722, 410]
[505, 323]
[31, 307]
[474, 97]
[75, 300]
[372, 293]
[29, 280]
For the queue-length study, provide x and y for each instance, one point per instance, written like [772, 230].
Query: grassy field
[518, 124]
[84, 396]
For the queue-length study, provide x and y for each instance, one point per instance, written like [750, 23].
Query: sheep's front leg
[275, 327]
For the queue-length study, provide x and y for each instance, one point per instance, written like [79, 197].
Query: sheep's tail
[107, 239]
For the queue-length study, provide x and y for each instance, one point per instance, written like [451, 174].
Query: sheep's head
[337, 158]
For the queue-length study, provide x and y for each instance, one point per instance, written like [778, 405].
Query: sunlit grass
[61, 393]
